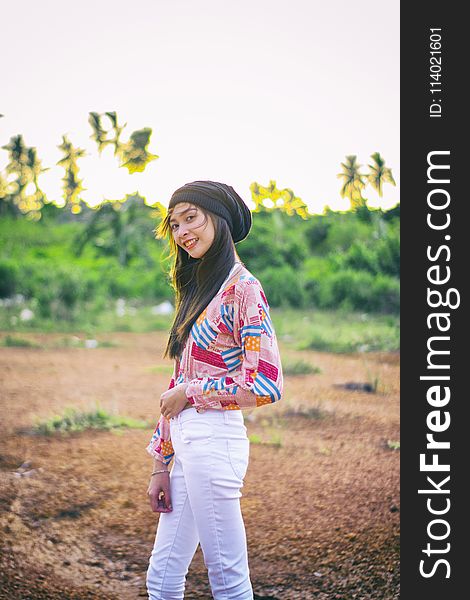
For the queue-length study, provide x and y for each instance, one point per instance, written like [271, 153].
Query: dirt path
[321, 510]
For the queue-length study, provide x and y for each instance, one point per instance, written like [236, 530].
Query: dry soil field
[321, 509]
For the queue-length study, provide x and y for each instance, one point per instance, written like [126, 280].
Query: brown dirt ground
[321, 511]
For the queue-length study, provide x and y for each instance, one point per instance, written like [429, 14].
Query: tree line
[71, 256]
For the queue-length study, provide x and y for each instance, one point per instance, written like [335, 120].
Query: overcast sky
[237, 92]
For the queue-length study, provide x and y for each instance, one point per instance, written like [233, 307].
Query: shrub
[8, 279]
[388, 255]
[316, 233]
[283, 287]
[74, 420]
[276, 231]
[58, 288]
[346, 230]
[16, 342]
[359, 290]
[299, 367]
[381, 256]
[359, 257]
[386, 294]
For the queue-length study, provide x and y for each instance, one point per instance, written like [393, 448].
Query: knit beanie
[220, 199]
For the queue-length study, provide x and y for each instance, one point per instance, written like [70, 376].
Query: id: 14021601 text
[435, 68]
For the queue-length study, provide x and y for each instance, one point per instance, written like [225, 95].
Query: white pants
[210, 462]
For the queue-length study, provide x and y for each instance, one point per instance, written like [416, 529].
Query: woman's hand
[159, 493]
[173, 401]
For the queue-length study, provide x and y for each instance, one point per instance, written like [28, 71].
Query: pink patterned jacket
[231, 359]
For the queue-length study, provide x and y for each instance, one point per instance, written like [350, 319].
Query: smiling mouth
[190, 244]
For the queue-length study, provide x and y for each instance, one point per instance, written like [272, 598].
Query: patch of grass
[88, 318]
[275, 440]
[348, 341]
[327, 331]
[107, 344]
[337, 331]
[67, 342]
[326, 343]
[76, 342]
[141, 320]
[17, 342]
[299, 367]
[74, 420]
[393, 444]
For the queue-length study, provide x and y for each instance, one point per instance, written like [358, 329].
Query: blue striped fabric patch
[232, 358]
[267, 324]
[227, 312]
[251, 330]
[218, 385]
[214, 385]
[265, 387]
[203, 334]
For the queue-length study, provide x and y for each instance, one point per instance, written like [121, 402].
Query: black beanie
[218, 198]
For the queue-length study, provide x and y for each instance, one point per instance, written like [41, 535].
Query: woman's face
[192, 229]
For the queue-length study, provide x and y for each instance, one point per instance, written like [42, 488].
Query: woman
[226, 360]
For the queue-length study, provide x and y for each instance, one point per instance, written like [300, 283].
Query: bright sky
[236, 92]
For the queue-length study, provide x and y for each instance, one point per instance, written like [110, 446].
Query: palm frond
[379, 173]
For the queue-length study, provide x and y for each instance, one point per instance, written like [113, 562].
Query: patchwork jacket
[231, 359]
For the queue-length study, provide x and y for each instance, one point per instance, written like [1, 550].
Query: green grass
[275, 440]
[76, 342]
[90, 321]
[107, 344]
[321, 330]
[17, 342]
[142, 321]
[325, 331]
[337, 331]
[74, 420]
[299, 367]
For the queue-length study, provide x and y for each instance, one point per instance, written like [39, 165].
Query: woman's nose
[182, 230]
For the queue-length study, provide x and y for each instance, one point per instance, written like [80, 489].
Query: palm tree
[133, 154]
[353, 182]
[112, 116]
[379, 173]
[72, 185]
[34, 201]
[22, 195]
[100, 134]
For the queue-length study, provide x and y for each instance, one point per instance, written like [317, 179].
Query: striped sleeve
[160, 446]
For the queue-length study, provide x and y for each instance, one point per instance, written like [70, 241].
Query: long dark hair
[195, 280]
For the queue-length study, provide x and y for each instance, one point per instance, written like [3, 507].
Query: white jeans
[210, 462]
